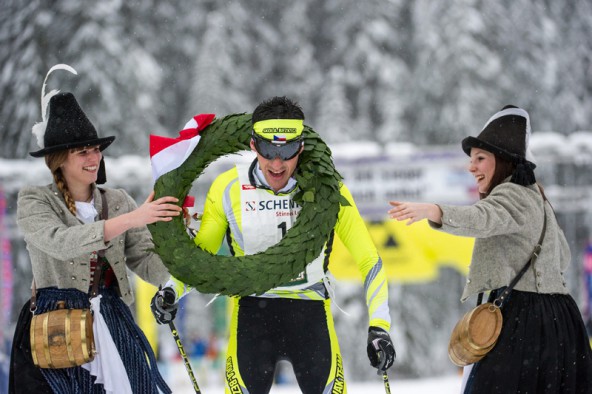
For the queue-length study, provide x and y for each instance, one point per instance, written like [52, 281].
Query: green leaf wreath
[318, 196]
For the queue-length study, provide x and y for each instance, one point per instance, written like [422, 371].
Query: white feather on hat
[39, 128]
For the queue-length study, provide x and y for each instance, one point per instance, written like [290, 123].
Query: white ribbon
[466, 372]
[327, 280]
[107, 365]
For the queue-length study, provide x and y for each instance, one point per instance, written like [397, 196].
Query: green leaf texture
[319, 197]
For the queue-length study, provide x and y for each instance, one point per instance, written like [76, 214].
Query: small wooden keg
[62, 338]
[475, 334]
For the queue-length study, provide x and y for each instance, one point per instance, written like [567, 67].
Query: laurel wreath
[318, 195]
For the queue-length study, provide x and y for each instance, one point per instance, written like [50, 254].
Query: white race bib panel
[266, 218]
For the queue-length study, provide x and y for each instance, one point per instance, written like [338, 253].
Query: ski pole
[387, 386]
[184, 355]
[382, 363]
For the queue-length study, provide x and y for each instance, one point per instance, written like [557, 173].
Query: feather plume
[39, 132]
[39, 128]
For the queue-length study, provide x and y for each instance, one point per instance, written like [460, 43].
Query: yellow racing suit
[291, 322]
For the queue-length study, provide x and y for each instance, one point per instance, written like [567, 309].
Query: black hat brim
[473, 142]
[102, 142]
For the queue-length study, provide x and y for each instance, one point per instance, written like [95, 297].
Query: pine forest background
[418, 71]
[415, 71]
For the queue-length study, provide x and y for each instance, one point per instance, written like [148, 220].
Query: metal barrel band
[46, 344]
[33, 342]
[87, 353]
[67, 329]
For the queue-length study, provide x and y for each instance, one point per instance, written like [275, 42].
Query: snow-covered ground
[180, 383]
[445, 385]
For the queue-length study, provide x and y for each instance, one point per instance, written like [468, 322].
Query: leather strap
[97, 275]
[535, 254]
[99, 268]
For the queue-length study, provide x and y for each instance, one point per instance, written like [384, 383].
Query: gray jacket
[507, 225]
[60, 245]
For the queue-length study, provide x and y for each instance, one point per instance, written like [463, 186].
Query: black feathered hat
[506, 134]
[68, 127]
[65, 125]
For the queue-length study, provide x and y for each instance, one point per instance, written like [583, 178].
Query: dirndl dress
[543, 348]
[133, 347]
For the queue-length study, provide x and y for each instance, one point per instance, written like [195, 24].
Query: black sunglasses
[270, 151]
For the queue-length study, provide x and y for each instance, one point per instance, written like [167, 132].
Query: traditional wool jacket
[60, 245]
[507, 224]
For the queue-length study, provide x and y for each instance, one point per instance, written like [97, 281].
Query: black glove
[163, 306]
[381, 351]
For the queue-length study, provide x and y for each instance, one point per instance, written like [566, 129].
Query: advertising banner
[409, 253]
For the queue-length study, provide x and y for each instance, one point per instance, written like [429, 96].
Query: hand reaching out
[151, 211]
[415, 211]
[160, 210]
[189, 217]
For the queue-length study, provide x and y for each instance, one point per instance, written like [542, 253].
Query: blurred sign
[409, 253]
[439, 177]
[144, 292]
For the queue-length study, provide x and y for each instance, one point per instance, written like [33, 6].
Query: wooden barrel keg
[475, 334]
[62, 338]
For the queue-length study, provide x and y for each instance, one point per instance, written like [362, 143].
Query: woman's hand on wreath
[160, 210]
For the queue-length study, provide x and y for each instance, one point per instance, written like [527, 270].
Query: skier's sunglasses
[270, 151]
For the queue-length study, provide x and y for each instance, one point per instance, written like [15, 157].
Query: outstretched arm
[151, 211]
[352, 231]
[415, 211]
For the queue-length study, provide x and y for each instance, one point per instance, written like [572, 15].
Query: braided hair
[54, 162]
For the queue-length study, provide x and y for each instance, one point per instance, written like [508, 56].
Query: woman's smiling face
[482, 166]
[82, 165]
